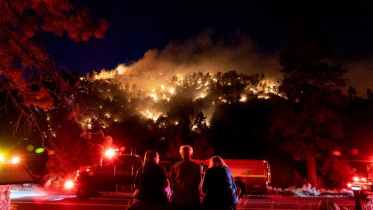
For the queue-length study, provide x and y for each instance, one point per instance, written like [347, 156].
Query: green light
[39, 150]
[30, 148]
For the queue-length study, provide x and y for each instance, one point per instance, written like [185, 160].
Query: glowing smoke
[165, 75]
[203, 54]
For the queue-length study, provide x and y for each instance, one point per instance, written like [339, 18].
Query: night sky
[136, 26]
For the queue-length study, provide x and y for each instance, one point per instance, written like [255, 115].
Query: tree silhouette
[351, 92]
[310, 84]
[369, 94]
[202, 143]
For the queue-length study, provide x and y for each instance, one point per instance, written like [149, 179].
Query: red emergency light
[110, 153]
[69, 184]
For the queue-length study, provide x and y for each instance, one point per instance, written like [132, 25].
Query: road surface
[120, 201]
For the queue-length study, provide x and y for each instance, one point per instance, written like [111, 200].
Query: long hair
[149, 157]
[217, 160]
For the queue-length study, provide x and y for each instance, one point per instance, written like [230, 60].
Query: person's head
[151, 156]
[217, 161]
[186, 152]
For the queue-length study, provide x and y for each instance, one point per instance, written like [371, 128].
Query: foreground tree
[311, 119]
[27, 74]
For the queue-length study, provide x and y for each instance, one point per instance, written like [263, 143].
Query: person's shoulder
[160, 166]
[189, 163]
[210, 169]
[177, 165]
[196, 165]
[218, 170]
[227, 169]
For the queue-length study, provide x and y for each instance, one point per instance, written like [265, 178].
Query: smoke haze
[203, 54]
[360, 75]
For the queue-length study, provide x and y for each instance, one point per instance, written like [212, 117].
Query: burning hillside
[120, 95]
[191, 73]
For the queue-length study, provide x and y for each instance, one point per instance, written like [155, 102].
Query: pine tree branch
[41, 43]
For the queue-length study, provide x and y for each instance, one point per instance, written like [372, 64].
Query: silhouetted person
[151, 181]
[185, 181]
[218, 186]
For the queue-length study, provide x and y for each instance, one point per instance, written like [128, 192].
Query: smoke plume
[203, 54]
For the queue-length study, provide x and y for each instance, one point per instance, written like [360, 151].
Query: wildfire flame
[151, 115]
[150, 94]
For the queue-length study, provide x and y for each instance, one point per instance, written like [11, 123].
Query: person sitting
[151, 183]
[185, 181]
[218, 186]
